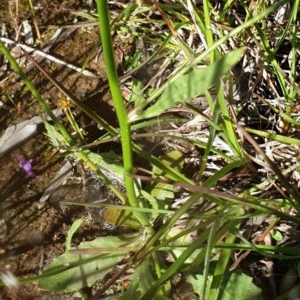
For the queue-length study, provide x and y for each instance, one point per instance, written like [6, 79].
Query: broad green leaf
[192, 84]
[236, 285]
[85, 269]
[109, 161]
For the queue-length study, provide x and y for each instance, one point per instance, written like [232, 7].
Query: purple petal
[26, 165]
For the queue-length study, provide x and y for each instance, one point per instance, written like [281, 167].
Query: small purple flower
[26, 165]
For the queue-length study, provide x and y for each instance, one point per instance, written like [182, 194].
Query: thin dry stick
[47, 56]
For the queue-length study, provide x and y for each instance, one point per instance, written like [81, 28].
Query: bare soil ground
[31, 234]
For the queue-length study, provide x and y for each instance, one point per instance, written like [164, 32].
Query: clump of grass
[194, 226]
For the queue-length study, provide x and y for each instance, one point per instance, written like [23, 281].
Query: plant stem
[121, 112]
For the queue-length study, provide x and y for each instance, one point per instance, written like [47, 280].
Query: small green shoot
[71, 232]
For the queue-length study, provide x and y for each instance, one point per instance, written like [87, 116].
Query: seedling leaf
[74, 227]
[56, 139]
